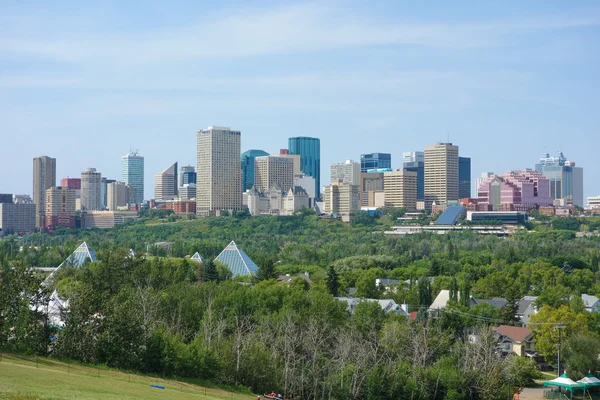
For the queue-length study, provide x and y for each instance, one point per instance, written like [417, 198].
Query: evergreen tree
[465, 294]
[509, 312]
[424, 292]
[266, 270]
[454, 290]
[332, 281]
[210, 271]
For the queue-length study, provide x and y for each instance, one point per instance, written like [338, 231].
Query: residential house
[287, 278]
[592, 303]
[515, 339]
[496, 302]
[526, 308]
[387, 305]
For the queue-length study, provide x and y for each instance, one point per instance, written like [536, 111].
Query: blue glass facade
[419, 168]
[464, 177]
[188, 177]
[132, 172]
[309, 150]
[375, 161]
[247, 166]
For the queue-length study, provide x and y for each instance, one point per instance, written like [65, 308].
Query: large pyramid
[79, 257]
[237, 261]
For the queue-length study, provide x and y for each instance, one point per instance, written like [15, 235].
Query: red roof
[515, 333]
[412, 315]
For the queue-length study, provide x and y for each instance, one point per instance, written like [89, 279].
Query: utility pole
[560, 328]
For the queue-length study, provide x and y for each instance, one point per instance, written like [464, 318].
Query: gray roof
[450, 216]
[288, 278]
[589, 300]
[524, 304]
[497, 302]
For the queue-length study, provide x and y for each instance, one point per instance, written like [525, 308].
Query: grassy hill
[22, 378]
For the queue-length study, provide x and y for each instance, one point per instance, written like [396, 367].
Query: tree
[509, 312]
[210, 271]
[581, 355]
[577, 305]
[465, 293]
[266, 270]
[365, 285]
[454, 290]
[425, 298]
[332, 281]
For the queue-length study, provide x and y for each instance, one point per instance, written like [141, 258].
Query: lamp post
[559, 327]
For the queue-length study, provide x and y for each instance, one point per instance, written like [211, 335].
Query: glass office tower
[247, 165]
[375, 161]
[132, 172]
[309, 150]
[464, 178]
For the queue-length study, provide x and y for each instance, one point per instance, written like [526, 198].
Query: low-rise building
[276, 202]
[106, 219]
[387, 305]
[17, 218]
[181, 206]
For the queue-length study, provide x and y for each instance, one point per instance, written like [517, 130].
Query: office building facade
[218, 171]
[347, 172]
[413, 156]
[6, 198]
[400, 189]
[441, 174]
[187, 174]
[132, 172]
[117, 195]
[307, 183]
[566, 179]
[375, 161]
[464, 177]
[417, 167]
[17, 218]
[273, 170]
[341, 199]
[44, 177]
[60, 208]
[519, 190]
[247, 166]
[370, 184]
[295, 157]
[165, 184]
[91, 182]
[309, 150]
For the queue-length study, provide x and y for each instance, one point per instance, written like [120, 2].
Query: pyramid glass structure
[80, 256]
[197, 257]
[237, 261]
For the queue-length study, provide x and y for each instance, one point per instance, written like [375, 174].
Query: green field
[22, 378]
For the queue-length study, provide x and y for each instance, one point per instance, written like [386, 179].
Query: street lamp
[559, 327]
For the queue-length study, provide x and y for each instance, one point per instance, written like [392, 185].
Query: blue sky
[505, 80]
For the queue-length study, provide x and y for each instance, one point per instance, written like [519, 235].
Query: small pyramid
[81, 254]
[237, 261]
[198, 258]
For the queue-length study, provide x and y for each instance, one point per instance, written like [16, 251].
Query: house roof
[237, 261]
[387, 305]
[524, 304]
[441, 300]
[287, 278]
[497, 302]
[589, 300]
[515, 333]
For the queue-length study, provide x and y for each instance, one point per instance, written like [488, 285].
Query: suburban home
[387, 305]
[441, 300]
[526, 308]
[287, 278]
[515, 339]
[592, 303]
[497, 302]
[390, 285]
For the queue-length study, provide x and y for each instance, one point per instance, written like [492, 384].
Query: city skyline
[506, 82]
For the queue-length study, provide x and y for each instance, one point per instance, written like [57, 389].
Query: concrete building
[464, 178]
[187, 191]
[307, 183]
[22, 199]
[566, 179]
[44, 177]
[276, 202]
[347, 172]
[341, 199]
[17, 218]
[132, 172]
[104, 192]
[309, 150]
[118, 196]
[187, 175]
[520, 190]
[441, 174]
[181, 206]
[270, 170]
[375, 161]
[218, 171]
[71, 183]
[106, 219]
[60, 208]
[419, 168]
[413, 156]
[482, 178]
[165, 184]
[400, 189]
[295, 158]
[247, 167]
[91, 181]
[370, 183]
[593, 203]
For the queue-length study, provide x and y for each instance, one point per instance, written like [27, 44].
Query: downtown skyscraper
[441, 174]
[132, 172]
[218, 173]
[44, 177]
[309, 150]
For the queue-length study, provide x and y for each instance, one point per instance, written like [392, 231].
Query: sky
[505, 81]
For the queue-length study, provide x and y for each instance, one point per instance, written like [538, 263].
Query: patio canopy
[589, 381]
[565, 382]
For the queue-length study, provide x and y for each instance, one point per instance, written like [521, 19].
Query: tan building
[165, 184]
[347, 172]
[341, 199]
[295, 159]
[106, 219]
[400, 189]
[44, 177]
[219, 180]
[60, 207]
[117, 195]
[17, 218]
[273, 170]
[91, 182]
[370, 183]
[441, 173]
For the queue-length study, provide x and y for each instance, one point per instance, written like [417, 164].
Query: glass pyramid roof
[237, 261]
[79, 257]
[197, 257]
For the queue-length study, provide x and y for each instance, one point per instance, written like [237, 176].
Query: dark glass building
[419, 168]
[247, 165]
[309, 150]
[188, 177]
[375, 161]
[464, 177]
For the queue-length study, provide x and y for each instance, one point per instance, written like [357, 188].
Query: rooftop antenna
[447, 137]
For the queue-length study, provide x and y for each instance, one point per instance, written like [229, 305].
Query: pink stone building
[520, 190]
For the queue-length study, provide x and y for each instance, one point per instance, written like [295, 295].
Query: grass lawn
[22, 378]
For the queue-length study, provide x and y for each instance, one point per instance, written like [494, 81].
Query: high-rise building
[187, 191]
[91, 182]
[417, 167]
[165, 184]
[117, 195]
[309, 150]
[60, 207]
[482, 178]
[71, 183]
[341, 199]
[218, 171]
[400, 189]
[6, 198]
[44, 177]
[247, 167]
[295, 157]
[132, 172]
[348, 172]
[413, 156]
[566, 180]
[371, 184]
[464, 177]
[16, 218]
[270, 170]
[441, 174]
[103, 192]
[375, 161]
[520, 190]
[187, 174]
[308, 184]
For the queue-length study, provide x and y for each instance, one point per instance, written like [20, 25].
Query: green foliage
[333, 281]
[581, 355]
[567, 224]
